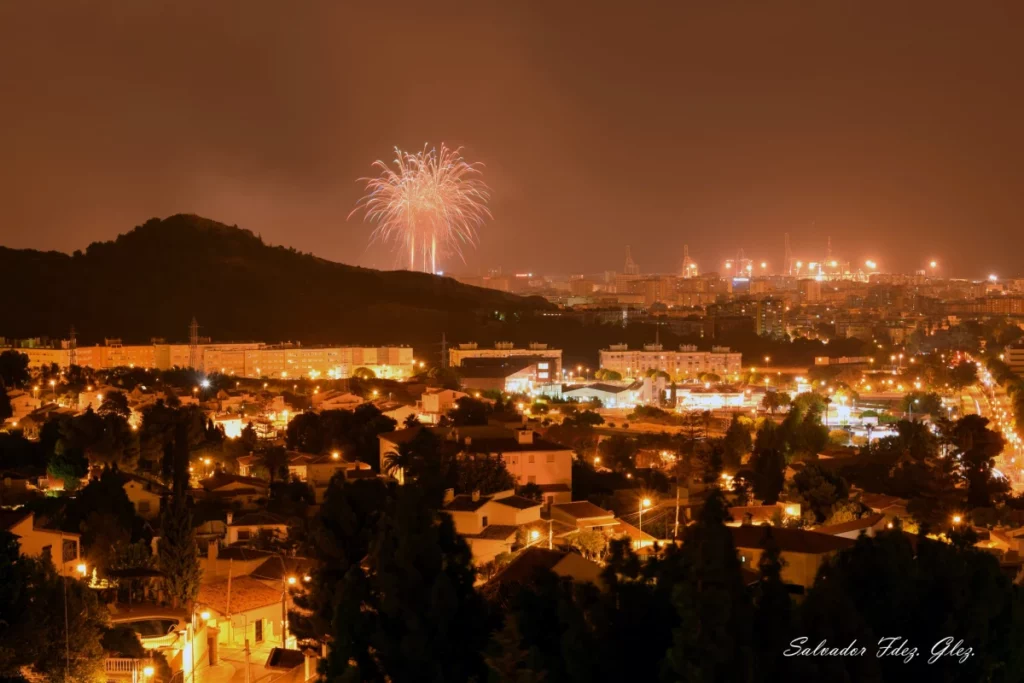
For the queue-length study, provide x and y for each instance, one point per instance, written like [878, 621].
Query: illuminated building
[249, 359]
[686, 363]
[463, 352]
[770, 318]
[1014, 357]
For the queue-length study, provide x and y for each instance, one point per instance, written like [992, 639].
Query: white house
[60, 547]
[491, 524]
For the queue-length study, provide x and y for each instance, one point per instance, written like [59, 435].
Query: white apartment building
[248, 359]
[686, 363]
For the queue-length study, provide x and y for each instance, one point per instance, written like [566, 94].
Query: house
[255, 524]
[335, 400]
[435, 403]
[145, 494]
[23, 404]
[231, 424]
[803, 552]
[868, 524]
[762, 514]
[490, 524]
[317, 470]
[528, 457]
[60, 547]
[583, 515]
[218, 563]
[244, 608]
[243, 493]
[524, 567]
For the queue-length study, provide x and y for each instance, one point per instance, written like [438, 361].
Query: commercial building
[457, 355]
[1014, 357]
[686, 363]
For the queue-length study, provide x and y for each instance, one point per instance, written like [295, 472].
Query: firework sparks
[431, 203]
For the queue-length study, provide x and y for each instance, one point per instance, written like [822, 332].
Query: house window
[47, 553]
[143, 506]
[531, 458]
[69, 551]
[513, 460]
[551, 457]
[483, 521]
[243, 534]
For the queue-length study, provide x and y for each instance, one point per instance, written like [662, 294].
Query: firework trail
[430, 203]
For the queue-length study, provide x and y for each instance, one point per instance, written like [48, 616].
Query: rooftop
[583, 510]
[865, 522]
[789, 540]
[246, 594]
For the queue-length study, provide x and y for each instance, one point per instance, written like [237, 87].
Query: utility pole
[675, 530]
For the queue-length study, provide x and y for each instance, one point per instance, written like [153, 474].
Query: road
[989, 400]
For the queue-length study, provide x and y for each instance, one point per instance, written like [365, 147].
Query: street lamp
[644, 503]
[53, 389]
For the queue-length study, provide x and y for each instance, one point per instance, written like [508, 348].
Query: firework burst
[430, 203]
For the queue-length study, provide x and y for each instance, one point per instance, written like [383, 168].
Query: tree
[114, 403]
[485, 474]
[769, 474]
[606, 375]
[6, 410]
[13, 369]
[773, 400]
[364, 373]
[431, 623]
[922, 403]
[33, 599]
[773, 613]
[976, 449]
[305, 433]
[818, 490]
[469, 411]
[591, 544]
[177, 552]
[737, 443]
[714, 641]
[619, 453]
[963, 374]
[70, 466]
[274, 459]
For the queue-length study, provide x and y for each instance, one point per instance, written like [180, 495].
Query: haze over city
[575, 341]
[893, 129]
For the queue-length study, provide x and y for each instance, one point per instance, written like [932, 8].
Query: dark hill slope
[152, 280]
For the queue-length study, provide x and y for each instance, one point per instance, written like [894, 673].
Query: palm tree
[274, 459]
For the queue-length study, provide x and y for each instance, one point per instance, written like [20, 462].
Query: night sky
[895, 127]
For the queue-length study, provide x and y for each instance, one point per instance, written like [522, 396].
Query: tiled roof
[865, 522]
[496, 532]
[247, 594]
[465, 503]
[789, 540]
[518, 502]
[220, 479]
[583, 510]
[278, 568]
